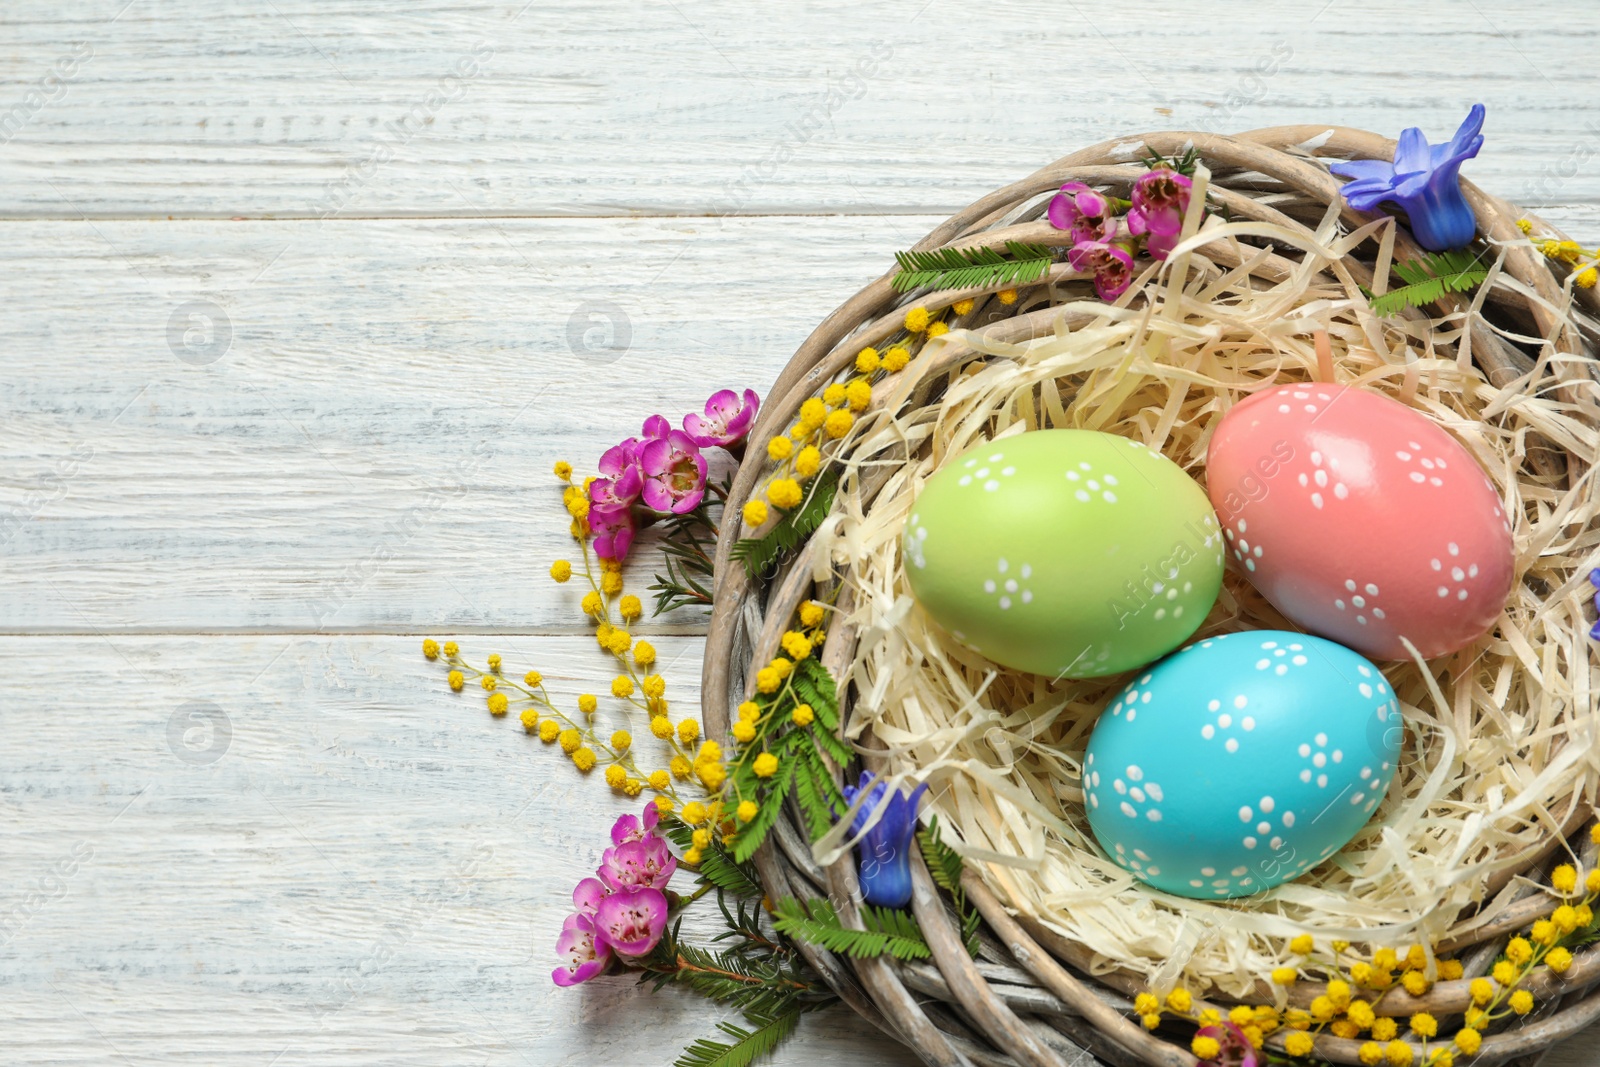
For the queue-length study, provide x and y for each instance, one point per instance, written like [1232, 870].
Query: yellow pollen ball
[808, 462]
[549, 730]
[858, 394]
[430, 648]
[765, 765]
[1370, 1053]
[1298, 1044]
[1301, 945]
[588, 703]
[1564, 878]
[803, 715]
[747, 810]
[661, 726]
[812, 413]
[498, 703]
[1521, 1002]
[937, 329]
[780, 447]
[1469, 1041]
[679, 767]
[750, 710]
[644, 653]
[838, 423]
[896, 359]
[811, 613]
[1007, 296]
[754, 513]
[963, 307]
[688, 730]
[616, 774]
[530, 720]
[744, 731]
[583, 759]
[456, 680]
[785, 492]
[917, 319]
[867, 361]
[1206, 1048]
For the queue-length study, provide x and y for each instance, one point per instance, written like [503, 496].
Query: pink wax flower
[631, 920]
[647, 862]
[620, 479]
[636, 828]
[1111, 264]
[727, 419]
[656, 426]
[674, 472]
[613, 529]
[1080, 209]
[588, 895]
[584, 955]
[1160, 199]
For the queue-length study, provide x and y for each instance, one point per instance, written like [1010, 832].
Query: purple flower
[727, 419]
[1425, 181]
[588, 895]
[884, 854]
[674, 472]
[631, 920]
[634, 828]
[1080, 209]
[621, 481]
[1594, 580]
[647, 862]
[1159, 243]
[1236, 1050]
[584, 955]
[1160, 199]
[656, 426]
[1111, 264]
[613, 529]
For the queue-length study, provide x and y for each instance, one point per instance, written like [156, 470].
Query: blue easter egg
[1241, 762]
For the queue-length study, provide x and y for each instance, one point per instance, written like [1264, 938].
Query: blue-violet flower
[1425, 181]
[884, 854]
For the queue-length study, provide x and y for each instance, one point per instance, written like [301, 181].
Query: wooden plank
[371, 450]
[300, 108]
[366, 869]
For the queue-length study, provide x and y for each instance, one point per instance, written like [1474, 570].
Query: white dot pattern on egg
[1216, 760]
[1068, 553]
[1360, 520]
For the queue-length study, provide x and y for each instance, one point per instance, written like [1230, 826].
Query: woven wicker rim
[1027, 990]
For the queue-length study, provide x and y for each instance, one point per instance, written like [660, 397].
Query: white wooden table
[299, 301]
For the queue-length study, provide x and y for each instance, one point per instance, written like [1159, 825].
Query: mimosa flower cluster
[1350, 1005]
[802, 451]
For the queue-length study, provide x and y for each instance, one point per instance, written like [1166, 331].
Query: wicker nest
[1048, 982]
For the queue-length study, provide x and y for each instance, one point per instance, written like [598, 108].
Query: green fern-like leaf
[752, 833]
[1429, 278]
[760, 553]
[971, 268]
[748, 1045]
[888, 932]
[716, 865]
[945, 866]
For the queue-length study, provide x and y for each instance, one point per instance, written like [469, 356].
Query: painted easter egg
[1240, 762]
[1360, 520]
[1068, 553]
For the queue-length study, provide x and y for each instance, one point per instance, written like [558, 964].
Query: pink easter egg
[1360, 520]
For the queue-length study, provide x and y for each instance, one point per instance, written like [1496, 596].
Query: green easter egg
[1068, 553]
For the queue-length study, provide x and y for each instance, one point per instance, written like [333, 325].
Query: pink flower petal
[631, 920]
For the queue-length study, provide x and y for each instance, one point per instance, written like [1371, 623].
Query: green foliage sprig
[945, 865]
[888, 932]
[971, 268]
[758, 554]
[688, 543]
[1429, 278]
[1184, 164]
[800, 750]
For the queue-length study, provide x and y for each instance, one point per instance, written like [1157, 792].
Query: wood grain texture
[373, 871]
[299, 108]
[368, 870]
[373, 449]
